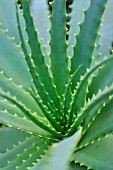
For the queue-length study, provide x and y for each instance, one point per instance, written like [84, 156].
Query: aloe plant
[56, 98]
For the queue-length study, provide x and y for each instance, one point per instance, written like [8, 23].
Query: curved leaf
[98, 156]
[11, 137]
[101, 126]
[37, 55]
[76, 17]
[9, 86]
[92, 107]
[107, 30]
[105, 74]
[13, 62]
[65, 149]
[86, 38]
[22, 152]
[40, 8]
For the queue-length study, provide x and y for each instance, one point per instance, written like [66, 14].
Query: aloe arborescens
[57, 100]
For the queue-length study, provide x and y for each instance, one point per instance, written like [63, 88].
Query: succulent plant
[56, 98]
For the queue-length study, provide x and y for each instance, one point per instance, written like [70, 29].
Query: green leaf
[105, 74]
[23, 124]
[101, 126]
[9, 86]
[12, 109]
[22, 153]
[59, 59]
[79, 96]
[77, 166]
[40, 8]
[76, 17]
[37, 154]
[87, 37]
[91, 109]
[9, 21]
[98, 155]
[68, 96]
[38, 121]
[11, 56]
[37, 55]
[65, 149]
[41, 91]
[107, 30]
[11, 137]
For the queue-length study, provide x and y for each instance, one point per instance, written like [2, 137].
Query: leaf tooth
[51, 3]
[80, 163]
[89, 99]
[6, 31]
[0, 24]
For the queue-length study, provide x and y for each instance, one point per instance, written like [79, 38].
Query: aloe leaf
[9, 7]
[59, 59]
[68, 95]
[11, 137]
[91, 107]
[8, 22]
[39, 86]
[40, 8]
[37, 55]
[36, 156]
[13, 121]
[101, 152]
[11, 56]
[37, 82]
[79, 96]
[77, 166]
[101, 125]
[30, 115]
[87, 32]
[105, 74]
[12, 109]
[106, 30]
[9, 86]
[44, 161]
[22, 151]
[65, 148]
[53, 118]
[76, 17]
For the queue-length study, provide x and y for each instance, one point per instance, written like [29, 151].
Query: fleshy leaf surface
[98, 156]
[65, 149]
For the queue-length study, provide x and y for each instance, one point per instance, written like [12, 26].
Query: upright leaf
[87, 36]
[37, 55]
[76, 17]
[40, 8]
[59, 59]
[39, 87]
[106, 30]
